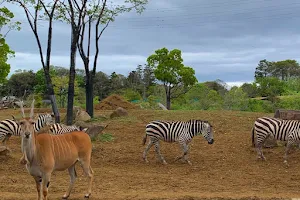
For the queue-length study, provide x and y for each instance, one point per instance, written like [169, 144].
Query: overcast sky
[219, 39]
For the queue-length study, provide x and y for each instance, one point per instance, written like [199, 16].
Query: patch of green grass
[106, 137]
[97, 119]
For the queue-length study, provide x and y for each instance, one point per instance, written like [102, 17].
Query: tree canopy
[169, 68]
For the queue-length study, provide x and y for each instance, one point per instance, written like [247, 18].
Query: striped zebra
[266, 127]
[61, 128]
[176, 131]
[10, 127]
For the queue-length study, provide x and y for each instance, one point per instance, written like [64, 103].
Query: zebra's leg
[185, 149]
[259, 143]
[159, 156]
[150, 144]
[287, 149]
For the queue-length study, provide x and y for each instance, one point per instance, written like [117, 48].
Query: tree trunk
[89, 89]
[50, 92]
[71, 81]
[168, 97]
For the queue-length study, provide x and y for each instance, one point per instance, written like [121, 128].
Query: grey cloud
[219, 39]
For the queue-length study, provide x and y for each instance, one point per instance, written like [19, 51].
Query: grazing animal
[46, 153]
[61, 128]
[10, 127]
[264, 127]
[177, 131]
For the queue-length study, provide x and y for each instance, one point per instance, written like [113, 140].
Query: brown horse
[44, 153]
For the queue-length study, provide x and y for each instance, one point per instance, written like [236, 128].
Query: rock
[119, 112]
[4, 151]
[94, 131]
[82, 115]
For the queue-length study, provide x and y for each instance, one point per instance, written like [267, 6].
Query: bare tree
[94, 15]
[33, 18]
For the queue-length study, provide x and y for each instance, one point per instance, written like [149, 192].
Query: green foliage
[21, 82]
[270, 86]
[40, 87]
[169, 69]
[5, 52]
[250, 89]
[236, 99]
[255, 105]
[131, 95]
[106, 137]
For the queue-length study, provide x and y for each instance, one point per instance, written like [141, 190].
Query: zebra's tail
[252, 132]
[145, 139]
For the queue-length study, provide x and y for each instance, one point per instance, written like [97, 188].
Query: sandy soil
[228, 169]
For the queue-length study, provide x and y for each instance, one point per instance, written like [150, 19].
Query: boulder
[119, 112]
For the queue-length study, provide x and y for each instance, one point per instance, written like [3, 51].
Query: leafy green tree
[250, 89]
[285, 69]
[117, 82]
[201, 97]
[263, 69]
[236, 99]
[270, 87]
[21, 82]
[217, 85]
[101, 85]
[169, 69]
[5, 52]
[41, 86]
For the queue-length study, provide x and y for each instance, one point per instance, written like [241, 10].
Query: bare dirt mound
[114, 101]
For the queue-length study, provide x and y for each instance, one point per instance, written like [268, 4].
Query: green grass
[106, 137]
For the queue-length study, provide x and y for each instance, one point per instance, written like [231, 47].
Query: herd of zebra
[9, 127]
[177, 131]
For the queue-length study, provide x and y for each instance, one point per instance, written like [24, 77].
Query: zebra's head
[48, 119]
[207, 132]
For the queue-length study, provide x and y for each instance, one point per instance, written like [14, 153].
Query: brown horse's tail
[145, 139]
[252, 132]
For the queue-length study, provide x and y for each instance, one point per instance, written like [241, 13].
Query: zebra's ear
[14, 119]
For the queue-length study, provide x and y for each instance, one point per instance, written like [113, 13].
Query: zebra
[61, 128]
[9, 127]
[176, 131]
[293, 138]
[265, 127]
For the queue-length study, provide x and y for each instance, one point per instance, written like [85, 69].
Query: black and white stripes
[176, 131]
[61, 128]
[10, 127]
[264, 127]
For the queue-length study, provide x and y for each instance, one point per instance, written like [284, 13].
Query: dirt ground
[228, 169]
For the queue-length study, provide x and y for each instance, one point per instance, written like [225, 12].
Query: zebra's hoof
[65, 197]
[164, 162]
[87, 196]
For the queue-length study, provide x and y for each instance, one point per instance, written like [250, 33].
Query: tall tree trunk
[71, 80]
[168, 97]
[89, 90]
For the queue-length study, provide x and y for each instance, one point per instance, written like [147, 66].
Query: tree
[86, 18]
[285, 69]
[32, 18]
[263, 69]
[217, 85]
[250, 89]
[5, 52]
[270, 87]
[21, 82]
[236, 99]
[169, 69]
[101, 85]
